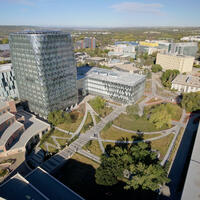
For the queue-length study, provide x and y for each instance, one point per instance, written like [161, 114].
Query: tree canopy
[191, 101]
[58, 117]
[168, 76]
[156, 68]
[138, 161]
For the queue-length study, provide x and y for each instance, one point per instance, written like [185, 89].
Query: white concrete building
[120, 86]
[178, 62]
[186, 83]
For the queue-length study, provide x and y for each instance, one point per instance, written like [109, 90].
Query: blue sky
[100, 13]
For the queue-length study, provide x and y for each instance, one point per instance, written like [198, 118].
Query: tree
[156, 68]
[5, 41]
[191, 101]
[168, 76]
[160, 118]
[145, 171]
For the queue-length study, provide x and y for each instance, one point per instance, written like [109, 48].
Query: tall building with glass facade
[45, 70]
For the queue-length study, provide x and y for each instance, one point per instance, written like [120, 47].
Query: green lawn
[93, 147]
[85, 160]
[72, 126]
[88, 123]
[3, 172]
[148, 86]
[47, 138]
[99, 106]
[135, 124]
[115, 134]
[162, 144]
[98, 119]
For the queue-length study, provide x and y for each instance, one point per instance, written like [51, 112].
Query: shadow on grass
[80, 177]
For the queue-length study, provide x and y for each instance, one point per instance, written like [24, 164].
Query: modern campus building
[19, 130]
[38, 185]
[119, 86]
[184, 48]
[8, 87]
[87, 42]
[185, 83]
[178, 62]
[45, 71]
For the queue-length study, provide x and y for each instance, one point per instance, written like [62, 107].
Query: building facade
[185, 83]
[8, 86]
[119, 86]
[184, 48]
[45, 71]
[178, 62]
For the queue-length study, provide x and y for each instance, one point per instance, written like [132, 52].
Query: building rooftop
[37, 185]
[4, 117]
[3, 104]
[9, 132]
[19, 188]
[117, 77]
[5, 67]
[4, 47]
[187, 80]
[54, 189]
[32, 127]
[192, 184]
[176, 55]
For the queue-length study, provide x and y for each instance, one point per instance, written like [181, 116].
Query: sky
[100, 13]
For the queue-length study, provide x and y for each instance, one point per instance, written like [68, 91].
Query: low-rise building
[186, 83]
[34, 186]
[8, 87]
[119, 86]
[178, 62]
[19, 130]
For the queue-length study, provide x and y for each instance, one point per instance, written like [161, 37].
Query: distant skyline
[100, 13]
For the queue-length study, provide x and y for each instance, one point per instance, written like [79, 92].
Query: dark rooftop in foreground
[37, 185]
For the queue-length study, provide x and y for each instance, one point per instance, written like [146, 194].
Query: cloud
[131, 7]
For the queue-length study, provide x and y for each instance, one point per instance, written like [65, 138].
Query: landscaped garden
[148, 86]
[67, 121]
[155, 118]
[88, 123]
[100, 107]
[113, 133]
[47, 138]
[162, 144]
[3, 172]
[93, 147]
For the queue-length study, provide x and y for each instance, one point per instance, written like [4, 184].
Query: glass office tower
[45, 70]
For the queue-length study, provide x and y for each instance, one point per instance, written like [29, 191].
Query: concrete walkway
[64, 131]
[89, 155]
[62, 156]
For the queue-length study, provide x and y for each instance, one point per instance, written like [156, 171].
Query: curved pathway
[133, 142]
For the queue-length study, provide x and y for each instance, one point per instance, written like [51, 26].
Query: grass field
[162, 144]
[148, 86]
[93, 147]
[72, 126]
[131, 123]
[88, 123]
[85, 160]
[99, 106]
[115, 134]
[47, 138]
